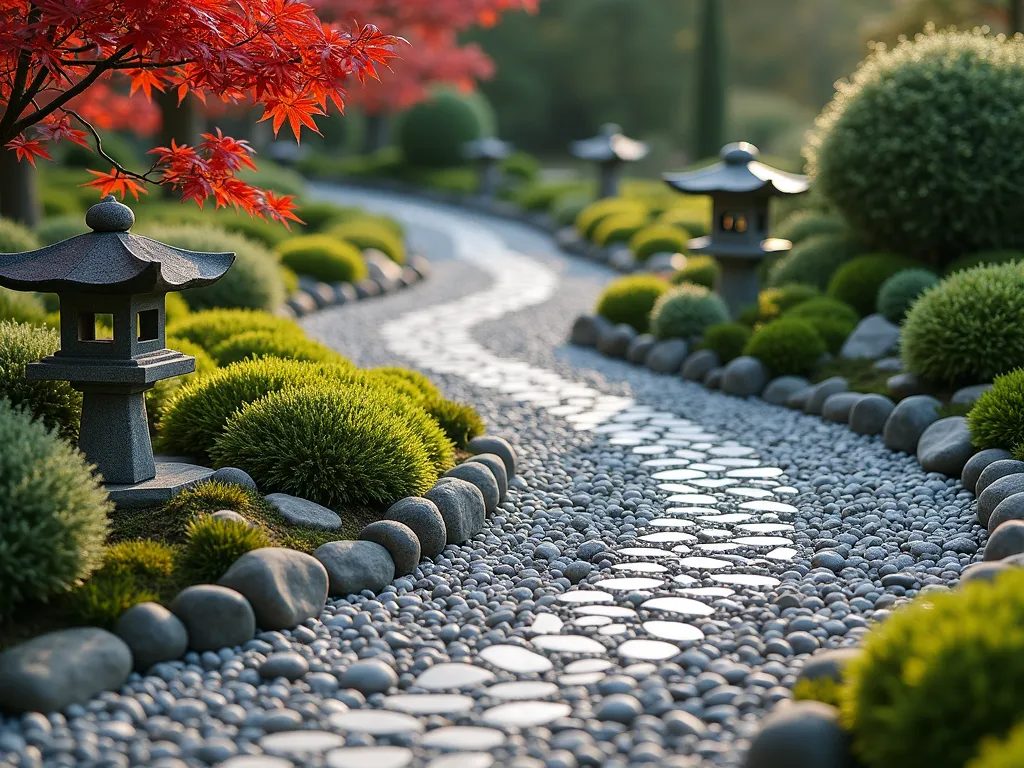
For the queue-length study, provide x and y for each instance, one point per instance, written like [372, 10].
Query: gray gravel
[867, 528]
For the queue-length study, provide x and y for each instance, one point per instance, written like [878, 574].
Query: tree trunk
[178, 122]
[377, 133]
[710, 107]
[19, 190]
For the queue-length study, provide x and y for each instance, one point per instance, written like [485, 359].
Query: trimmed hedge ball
[900, 291]
[824, 306]
[658, 238]
[788, 346]
[699, 270]
[686, 312]
[53, 512]
[336, 446]
[630, 300]
[619, 228]
[285, 344]
[832, 330]
[858, 281]
[433, 133]
[997, 418]
[323, 258]
[212, 327]
[727, 340]
[157, 397]
[590, 218]
[961, 263]
[814, 260]
[773, 302]
[366, 232]
[801, 225]
[460, 422]
[967, 329]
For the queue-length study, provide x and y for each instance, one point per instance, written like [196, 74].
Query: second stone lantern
[112, 278]
[610, 150]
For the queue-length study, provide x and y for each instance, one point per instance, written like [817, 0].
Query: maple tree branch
[16, 103]
[102, 153]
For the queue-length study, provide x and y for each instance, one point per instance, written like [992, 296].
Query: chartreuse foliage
[367, 232]
[19, 307]
[658, 238]
[773, 302]
[1001, 753]
[285, 344]
[630, 300]
[789, 347]
[210, 328]
[699, 270]
[997, 418]
[213, 544]
[814, 260]
[618, 228]
[686, 312]
[323, 258]
[590, 218]
[460, 422]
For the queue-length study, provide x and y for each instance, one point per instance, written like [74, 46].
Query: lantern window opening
[96, 327]
[148, 325]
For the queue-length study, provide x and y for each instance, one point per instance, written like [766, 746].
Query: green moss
[630, 300]
[323, 258]
[686, 312]
[789, 347]
[861, 375]
[212, 545]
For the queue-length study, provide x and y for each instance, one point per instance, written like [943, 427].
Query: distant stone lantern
[110, 278]
[610, 150]
[487, 153]
[741, 189]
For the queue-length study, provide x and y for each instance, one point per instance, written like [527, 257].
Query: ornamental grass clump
[336, 446]
[323, 258]
[686, 312]
[212, 545]
[726, 340]
[788, 347]
[898, 294]
[658, 238]
[857, 282]
[938, 677]
[101, 600]
[53, 512]
[426, 388]
[459, 422]
[210, 328]
[630, 300]
[997, 418]
[284, 344]
[699, 270]
[967, 329]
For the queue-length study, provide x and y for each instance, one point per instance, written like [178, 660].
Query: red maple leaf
[114, 181]
[28, 149]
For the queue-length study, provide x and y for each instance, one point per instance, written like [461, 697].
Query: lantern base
[171, 479]
[739, 284]
[115, 433]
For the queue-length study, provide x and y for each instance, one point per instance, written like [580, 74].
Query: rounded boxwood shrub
[210, 328]
[567, 207]
[53, 230]
[904, 701]
[967, 329]
[857, 281]
[658, 238]
[20, 307]
[53, 512]
[54, 403]
[800, 225]
[285, 344]
[16, 238]
[824, 306]
[426, 388]
[686, 218]
[997, 418]
[460, 422]
[590, 218]
[814, 260]
[773, 302]
[686, 312]
[961, 263]
[630, 300]
[619, 228]
[323, 258]
[432, 134]
[900, 291]
[336, 446]
[320, 215]
[727, 340]
[366, 233]
[212, 545]
[157, 397]
[252, 282]
[789, 347]
[932, 117]
[521, 167]
[832, 330]
[699, 270]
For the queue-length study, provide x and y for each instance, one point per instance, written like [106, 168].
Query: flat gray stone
[231, 516]
[874, 337]
[304, 512]
[494, 463]
[400, 542]
[290, 665]
[837, 407]
[153, 634]
[908, 421]
[745, 376]
[904, 385]
[587, 329]
[499, 446]
[780, 389]
[482, 477]
[805, 734]
[216, 617]
[969, 395]
[461, 505]
[945, 446]
[424, 519]
[798, 400]
[639, 347]
[614, 341]
[284, 586]
[621, 258]
[171, 479]
[888, 365]
[699, 364]
[995, 470]
[369, 676]
[821, 392]
[52, 671]
[1005, 541]
[234, 476]
[667, 356]
[353, 566]
[869, 414]
[713, 378]
[995, 493]
[1010, 508]
[977, 464]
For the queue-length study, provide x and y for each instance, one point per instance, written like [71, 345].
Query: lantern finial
[109, 216]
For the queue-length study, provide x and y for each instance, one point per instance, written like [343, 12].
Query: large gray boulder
[821, 392]
[945, 446]
[869, 414]
[216, 617]
[781, 389]
[481, 476]
[837, 407]
[304, 512]
[667, 356]
[745, 376]
[996, 493]
[70, 666]
[353, 566]
[153, 634]
[978, 463]
[499, 446]
[908, 421]
[494, 463]
[461, 505]
[638, 348]
[424, 519]
[805, 734]
[1005, 541]
[995, 470]
[587, 330]
[400, 542]
[1010, 508]
[614, 341]
[285, 587]
[874, 337]
[697, 365]
[798, 400]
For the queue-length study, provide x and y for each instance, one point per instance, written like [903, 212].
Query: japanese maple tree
[60, 61]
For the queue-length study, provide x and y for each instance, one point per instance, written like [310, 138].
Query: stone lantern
[112, 278]
[487, 153]
[741, 189]
[610, 150]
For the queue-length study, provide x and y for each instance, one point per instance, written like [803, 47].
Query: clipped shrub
[320, 216]
[727, 340]
[832, 330]
[997, 418]
[814, 260]
[20, 307]
[824, 306]
[1001, 753]
[252, 282]
[520, 167]
[923, 116]
[619, 228]
[53, 230]
[772, 302]
[967, 328]
[335, 446]
[789, 347]
[800, 225]
[425, 386]
[370, 233]
[686, 218]
[460, 422]
[212, 545]
[323, 258]
[658, 238]
[157, 397]
[630, 300]
[699, 270]
[590, 218]
[101, 600]
[857, 281]
[432, 134]
[285, 344]
[54, 403]
[290, 280]
[16, 238]
[211, 327]
[686, 312]
[175, 308]
[567, 207]
[53, 512]
[900, 291]
[904, 701]
[961, 263]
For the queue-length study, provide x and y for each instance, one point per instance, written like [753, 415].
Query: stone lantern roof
[610, 145]
[739, 172]
[111, 260]
[487, 148]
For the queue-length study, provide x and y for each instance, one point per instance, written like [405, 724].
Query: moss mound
[323, 258]
[727, 340]
[789, 347]
[630, 300]
[686, 312]
[898, 294]
[210, 328]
